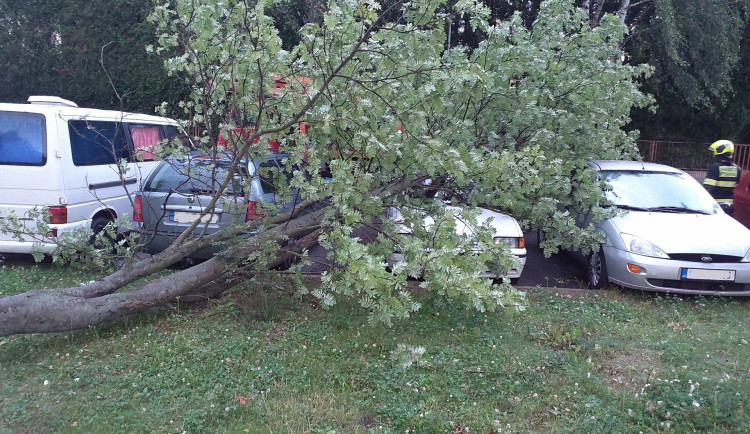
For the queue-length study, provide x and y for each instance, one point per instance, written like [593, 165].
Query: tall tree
[92, 52]
[695, 49]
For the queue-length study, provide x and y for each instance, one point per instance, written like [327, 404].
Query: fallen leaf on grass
[679, 326]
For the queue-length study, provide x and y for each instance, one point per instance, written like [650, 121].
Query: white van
[56, 155]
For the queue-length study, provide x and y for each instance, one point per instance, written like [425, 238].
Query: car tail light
[58, 215]
[252, 211]
[138, 209]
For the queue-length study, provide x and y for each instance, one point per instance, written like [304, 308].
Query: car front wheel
[596, 270]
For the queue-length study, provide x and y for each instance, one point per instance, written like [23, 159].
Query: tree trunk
[596, 14]
[57, 310]
[45, 311]
[623, 11]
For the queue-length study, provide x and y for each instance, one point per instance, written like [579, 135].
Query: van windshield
[22, 139]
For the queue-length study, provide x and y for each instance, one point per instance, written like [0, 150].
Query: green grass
[266, 361]
[15, 279]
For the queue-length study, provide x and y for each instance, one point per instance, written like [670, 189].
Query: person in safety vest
[723, 175]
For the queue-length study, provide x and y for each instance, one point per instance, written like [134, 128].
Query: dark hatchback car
[178, 191]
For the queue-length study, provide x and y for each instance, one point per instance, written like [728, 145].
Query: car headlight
[639, 246]
[747, 257]
[511, 242]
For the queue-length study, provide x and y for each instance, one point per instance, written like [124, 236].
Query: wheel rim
[595, 269]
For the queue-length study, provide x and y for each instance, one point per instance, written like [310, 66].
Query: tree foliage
[510, 124]
[695, 49]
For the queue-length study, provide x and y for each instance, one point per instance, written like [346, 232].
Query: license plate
[189, 217]
[703, 274]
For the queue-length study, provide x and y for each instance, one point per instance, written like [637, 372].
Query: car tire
[540, 236]
[97, 225]
[596, 270]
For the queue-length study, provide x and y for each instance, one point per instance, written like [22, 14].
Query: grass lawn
[268, 361]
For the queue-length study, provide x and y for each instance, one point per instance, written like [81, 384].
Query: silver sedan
[669, 236]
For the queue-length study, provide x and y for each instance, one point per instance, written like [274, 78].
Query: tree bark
[45, 311]
[622, 12]
[57, 310]
[596, 14]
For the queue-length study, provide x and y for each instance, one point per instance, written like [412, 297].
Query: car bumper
[513, 273]
[26, 247]
[43, 245]
[157, 243]
[665, 275]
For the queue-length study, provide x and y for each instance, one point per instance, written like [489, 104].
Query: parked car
[179, 189]
[506, 230]
[671, 235]
[67, 160]
[742, 200]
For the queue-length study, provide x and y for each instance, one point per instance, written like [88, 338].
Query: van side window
[172, 131]
[145, 138]
[97, 142]
[23, 139]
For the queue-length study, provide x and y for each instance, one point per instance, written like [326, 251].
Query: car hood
[686, 233]
[503, 224]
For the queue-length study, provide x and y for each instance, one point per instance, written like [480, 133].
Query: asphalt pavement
[560, 270]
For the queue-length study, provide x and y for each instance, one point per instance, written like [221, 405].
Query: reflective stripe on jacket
[721, 178]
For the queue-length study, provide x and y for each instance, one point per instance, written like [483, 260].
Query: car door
[742, 200]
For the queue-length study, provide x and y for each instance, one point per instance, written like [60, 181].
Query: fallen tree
[372, 95]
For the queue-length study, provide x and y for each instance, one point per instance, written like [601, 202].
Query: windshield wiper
[632, 208]
[677, 209]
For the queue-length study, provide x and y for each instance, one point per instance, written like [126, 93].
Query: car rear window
[194, 176]
[22, 139]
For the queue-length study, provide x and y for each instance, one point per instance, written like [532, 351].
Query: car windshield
[657, 191]
[194, 176]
